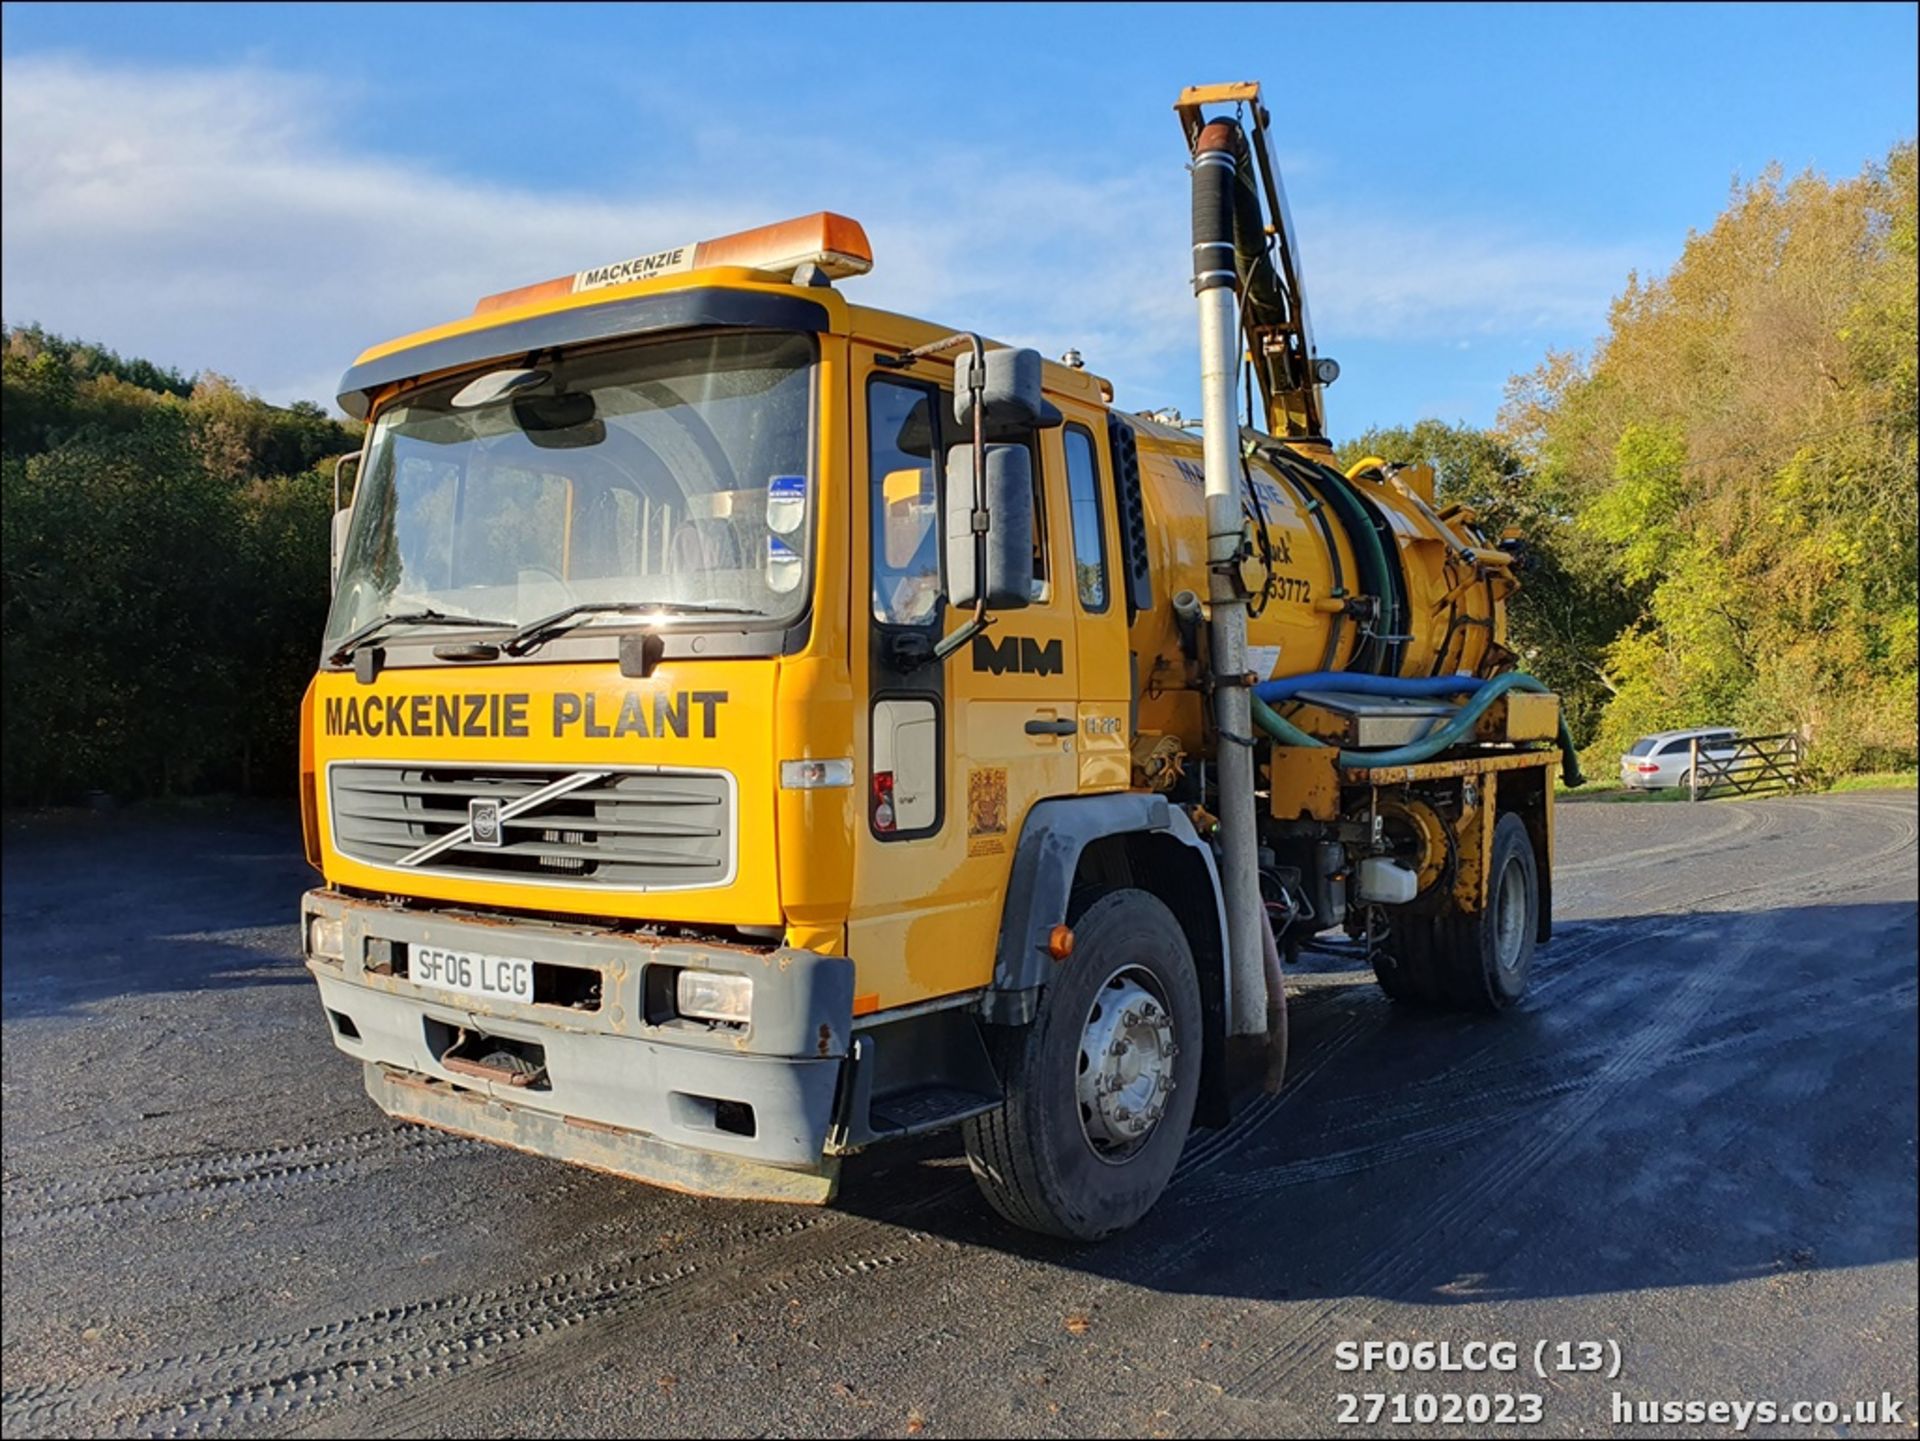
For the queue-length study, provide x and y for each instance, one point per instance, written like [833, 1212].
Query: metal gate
[1747, 765]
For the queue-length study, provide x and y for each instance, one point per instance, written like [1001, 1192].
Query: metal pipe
[1276, 1006]
[1216, 282]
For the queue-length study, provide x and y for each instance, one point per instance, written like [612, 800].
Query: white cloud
[206, 220]
[213, 219]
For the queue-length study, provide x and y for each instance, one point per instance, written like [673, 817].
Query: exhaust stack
[1216, 284]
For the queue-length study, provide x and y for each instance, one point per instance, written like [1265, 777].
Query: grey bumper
[677, 1103]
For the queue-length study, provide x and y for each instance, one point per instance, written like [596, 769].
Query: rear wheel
[1472, 961]
[1100, 1087]
[1407, 966]
[1490, 955]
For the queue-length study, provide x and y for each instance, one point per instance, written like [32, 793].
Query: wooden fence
[1744, 766]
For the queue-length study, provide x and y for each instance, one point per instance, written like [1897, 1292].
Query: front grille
[634, 829]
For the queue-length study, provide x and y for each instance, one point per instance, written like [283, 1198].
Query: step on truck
[752, 727]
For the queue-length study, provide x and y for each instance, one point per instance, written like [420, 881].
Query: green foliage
[163, 574]
[1721, 499]
[1760, 400]
[1567, 612]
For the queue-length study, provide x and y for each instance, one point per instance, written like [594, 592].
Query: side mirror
[1008, 386]
[342, 523]
[1008, 493]
[346, 472]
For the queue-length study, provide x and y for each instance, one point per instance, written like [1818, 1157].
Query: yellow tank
[1310, 610]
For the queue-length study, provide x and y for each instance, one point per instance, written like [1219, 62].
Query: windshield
[1642, 746]
[677, 473]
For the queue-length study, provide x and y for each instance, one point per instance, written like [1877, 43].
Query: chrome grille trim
[624, 828]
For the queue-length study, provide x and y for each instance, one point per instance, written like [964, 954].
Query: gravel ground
[1694, 1141]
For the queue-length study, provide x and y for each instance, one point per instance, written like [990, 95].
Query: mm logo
[1021, 654]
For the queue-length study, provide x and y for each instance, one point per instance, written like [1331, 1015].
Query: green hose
[1458, 729]
[1369, 554]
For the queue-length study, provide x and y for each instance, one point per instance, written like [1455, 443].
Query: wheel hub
[1127, 1052]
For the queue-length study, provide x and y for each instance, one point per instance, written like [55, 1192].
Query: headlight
[714, 996]
[326, 938]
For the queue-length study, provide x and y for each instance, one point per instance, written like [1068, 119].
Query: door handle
[1052, 727]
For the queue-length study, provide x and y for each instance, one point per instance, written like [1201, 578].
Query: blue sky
[263, 191]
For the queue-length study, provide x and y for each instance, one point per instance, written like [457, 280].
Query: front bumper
[676, 1103]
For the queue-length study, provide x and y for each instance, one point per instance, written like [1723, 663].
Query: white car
[1658, 761]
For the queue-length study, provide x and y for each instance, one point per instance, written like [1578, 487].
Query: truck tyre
[1489, 954]
[1100, 1087]
[1407, 966]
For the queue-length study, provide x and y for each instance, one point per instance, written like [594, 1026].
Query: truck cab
[654, 834]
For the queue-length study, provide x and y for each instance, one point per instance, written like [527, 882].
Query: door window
[902, 440]
[908, 432]
[1089, 542]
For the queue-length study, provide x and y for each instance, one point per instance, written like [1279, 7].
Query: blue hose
[1360, 683]
[1456, 730]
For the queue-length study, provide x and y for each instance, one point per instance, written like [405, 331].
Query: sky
[265, 191]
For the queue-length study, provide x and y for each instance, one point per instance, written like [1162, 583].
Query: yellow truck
[752, 727]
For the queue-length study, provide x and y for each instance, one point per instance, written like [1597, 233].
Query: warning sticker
[986, 810]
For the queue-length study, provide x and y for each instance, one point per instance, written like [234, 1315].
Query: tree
[163, 573]
[1739, 454]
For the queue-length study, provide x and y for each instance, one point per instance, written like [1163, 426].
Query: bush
[163, 581]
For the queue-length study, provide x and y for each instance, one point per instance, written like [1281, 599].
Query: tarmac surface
[1693, 1144]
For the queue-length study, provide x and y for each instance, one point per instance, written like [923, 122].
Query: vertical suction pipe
[1216, 285]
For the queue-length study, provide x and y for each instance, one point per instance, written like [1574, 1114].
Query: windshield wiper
[344, 651]
[536, 633]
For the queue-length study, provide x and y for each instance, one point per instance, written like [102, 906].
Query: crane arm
[1279, 336]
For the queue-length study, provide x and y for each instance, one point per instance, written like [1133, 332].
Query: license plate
[498, 978]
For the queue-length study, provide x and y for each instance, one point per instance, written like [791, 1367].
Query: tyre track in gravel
[1217, 1145]
[1497, 1107]
[1142, 1282]
[1214, 1202]
[1563, 1106]
[1284, 1343]
[1739, 823]
[1503, 1050]
[1288, 1341]
[292, 1377]
[833, 1246]
[265, 1173]
[1124, 1295]
[270, 1380]
[407, 1351]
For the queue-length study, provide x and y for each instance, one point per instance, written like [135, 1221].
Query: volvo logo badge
[484, 817]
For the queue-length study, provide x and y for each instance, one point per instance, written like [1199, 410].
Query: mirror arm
[339, 464]
[949, 644]
[982, 519]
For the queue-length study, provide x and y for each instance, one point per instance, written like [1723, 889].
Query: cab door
[955, 751]
[1091, 571]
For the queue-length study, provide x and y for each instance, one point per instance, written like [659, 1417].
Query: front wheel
[1100, 1088]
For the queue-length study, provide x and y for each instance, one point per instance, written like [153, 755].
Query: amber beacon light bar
[834, 243]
